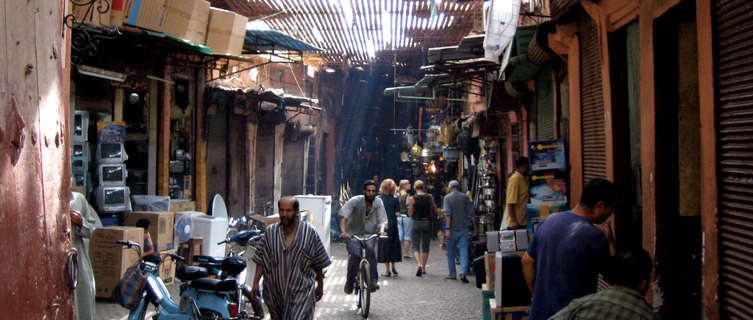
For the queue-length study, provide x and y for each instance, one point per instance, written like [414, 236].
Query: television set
[112, 174]
[80, 149]
[79, 178]
[79, 167]
[80, 126]
[111, 152]
[113, 199]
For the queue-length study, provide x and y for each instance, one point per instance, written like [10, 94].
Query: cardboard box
[119, 10]
[160, 228]
[508, 313]
[148, 14]
[93, 16]
[226, 31]
[167, 267]
[177, 205]
[306, 216]
[110, 260]
[187, 19]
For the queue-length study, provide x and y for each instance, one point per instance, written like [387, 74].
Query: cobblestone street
[402, 297]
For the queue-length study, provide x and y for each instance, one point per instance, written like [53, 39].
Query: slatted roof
[361, 30]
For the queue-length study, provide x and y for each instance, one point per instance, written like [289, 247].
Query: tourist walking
[458, 211]
[390, 248]
[422, 210]
[404, 222]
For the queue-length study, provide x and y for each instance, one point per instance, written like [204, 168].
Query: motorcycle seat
[215, 284]
[188, 273]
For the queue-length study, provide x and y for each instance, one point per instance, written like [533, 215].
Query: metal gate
[733, 34]
[592, 102]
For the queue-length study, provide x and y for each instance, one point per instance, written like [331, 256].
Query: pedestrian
[422, 210]
[290, 257]
[362, 215]
[84, 221]
[405, 223]
[517, 196]
[390, 249]
[568, 252]
[628, 275]
[458, 218]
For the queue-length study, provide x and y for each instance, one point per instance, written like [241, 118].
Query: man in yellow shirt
[517, 196]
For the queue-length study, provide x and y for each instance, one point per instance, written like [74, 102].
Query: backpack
[129, 290]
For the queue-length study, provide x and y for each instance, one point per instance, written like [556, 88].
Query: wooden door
[34, 160]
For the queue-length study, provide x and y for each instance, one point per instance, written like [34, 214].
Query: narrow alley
[403, 297]
[187, 159]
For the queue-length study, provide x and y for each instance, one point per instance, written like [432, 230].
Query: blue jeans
[460, 239]
[354, 259]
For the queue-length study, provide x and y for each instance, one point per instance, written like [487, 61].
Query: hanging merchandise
[416, 151]
[501, 24]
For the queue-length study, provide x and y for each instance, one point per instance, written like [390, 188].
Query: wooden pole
[201, 144]
[710, 266]
[163, 157]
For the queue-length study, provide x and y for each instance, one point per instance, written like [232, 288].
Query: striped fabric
[289, 278]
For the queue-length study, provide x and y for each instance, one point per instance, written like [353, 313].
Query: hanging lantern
[415, 151]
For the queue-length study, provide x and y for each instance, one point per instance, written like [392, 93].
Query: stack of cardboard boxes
[111, 260]
[161, 226]
[193, 20]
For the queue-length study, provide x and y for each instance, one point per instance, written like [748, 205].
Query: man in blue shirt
[458, 211]
[568, 252]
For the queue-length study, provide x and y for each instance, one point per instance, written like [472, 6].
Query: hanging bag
[129, 290]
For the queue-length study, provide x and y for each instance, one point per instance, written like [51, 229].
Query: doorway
[678, 162]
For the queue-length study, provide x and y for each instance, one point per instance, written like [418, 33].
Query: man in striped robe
[290, 257]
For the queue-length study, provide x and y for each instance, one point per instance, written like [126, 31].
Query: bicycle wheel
[365, 293]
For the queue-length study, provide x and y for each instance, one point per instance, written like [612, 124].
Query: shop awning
[160, 40]
[470, 47]
[271, 40]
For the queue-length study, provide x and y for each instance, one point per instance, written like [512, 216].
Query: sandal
[387, 274]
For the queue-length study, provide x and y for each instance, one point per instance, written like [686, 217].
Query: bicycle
[362, 285]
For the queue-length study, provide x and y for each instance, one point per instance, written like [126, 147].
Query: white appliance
[320, 207]
[212, 229]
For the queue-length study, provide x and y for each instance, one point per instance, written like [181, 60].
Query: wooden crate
[508, 313]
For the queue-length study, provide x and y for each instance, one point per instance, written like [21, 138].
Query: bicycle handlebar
[365, 239]
[128, 243]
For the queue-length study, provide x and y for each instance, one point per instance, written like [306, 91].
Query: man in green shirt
[628, 274]
[517, 196]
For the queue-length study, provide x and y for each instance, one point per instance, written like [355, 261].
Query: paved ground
[402, 297]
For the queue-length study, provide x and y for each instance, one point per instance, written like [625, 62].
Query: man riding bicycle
[361, 215]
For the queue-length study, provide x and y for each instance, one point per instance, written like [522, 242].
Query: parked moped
[200, 299]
